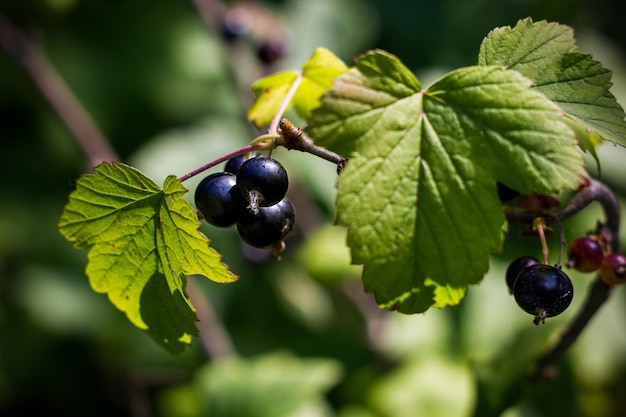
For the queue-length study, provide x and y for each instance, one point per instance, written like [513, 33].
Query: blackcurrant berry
[234, 164]
[543, 291]
[269, 226]
[219, 200]
[505, 193]
[613, 269]
[517, 266]
[271, 50]
[262, 181]
[584, 254]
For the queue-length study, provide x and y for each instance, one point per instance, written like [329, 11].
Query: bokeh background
[298, 337]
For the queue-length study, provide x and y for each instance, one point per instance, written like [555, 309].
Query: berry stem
[273, 128]
[599, 292]
[249, 148]
[540, 225]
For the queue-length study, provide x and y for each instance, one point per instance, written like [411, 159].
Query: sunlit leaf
[143, 242]
[315, 77]
[546, 53]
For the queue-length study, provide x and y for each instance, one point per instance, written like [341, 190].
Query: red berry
[584, 254]
[613, 269]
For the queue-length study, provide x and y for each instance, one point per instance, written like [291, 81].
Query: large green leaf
[546, 53]
[418, 193]
[143, 241]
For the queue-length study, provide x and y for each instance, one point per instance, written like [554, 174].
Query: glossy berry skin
[234, 164]
[517, 266]
[543, 291]
[269, 226]
[613, 269]
[264, 177]
[219, 200]
[584, 254]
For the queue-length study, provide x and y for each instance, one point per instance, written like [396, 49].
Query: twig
[214, 337]
[29, 55]
[599, 292]
[296, 138]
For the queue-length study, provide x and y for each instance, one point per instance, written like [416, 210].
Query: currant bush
[585, 254]
[543, 291]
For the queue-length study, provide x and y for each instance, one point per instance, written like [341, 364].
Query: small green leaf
[316, 77]
[546, 53]
[143, 241]
[270, 93]
[418, 193]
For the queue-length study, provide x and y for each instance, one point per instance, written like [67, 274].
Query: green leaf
[418, 193]
[143, 241]
[270, 93]
[546, 53]
[316, 77]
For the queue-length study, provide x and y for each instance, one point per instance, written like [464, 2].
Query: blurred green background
[300, 338]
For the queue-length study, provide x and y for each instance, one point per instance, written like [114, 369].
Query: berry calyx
[262, 181]
[269, 226]
[543, 291]
[584, 254]
[517, 266]
[219, 200]
[613, 269]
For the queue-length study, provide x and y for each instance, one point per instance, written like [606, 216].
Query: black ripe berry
[543, 291]
[269, 226]
[234, 164]
[505, 193]
[262, 181]
[271, 50]
[517, 266]
[219, 200]
[584, 254]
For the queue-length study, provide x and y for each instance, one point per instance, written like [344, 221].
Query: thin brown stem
[28, 54]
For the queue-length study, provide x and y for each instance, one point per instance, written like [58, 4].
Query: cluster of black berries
[250, 193]
[546, 291]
